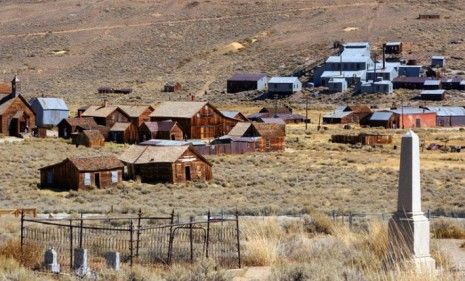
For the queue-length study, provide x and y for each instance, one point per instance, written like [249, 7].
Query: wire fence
[143, 240]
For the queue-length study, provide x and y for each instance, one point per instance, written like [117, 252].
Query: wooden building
[384, 119]
[269, 136]
[83, 173]
[240, 82]
[71, 125]
[88, 138]
[167, 130]
[410, 117]
[198, 120]
[172, 164]
[172, 87]
[363, 138]
[106, 115]
[235, 115]
[123, 133]
[16, 115]
[349, 114]
[138, 114]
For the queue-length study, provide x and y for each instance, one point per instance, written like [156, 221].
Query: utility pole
[275, 105]
[306, 111]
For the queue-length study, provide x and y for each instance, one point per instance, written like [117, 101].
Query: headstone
[409, 234]
[113, 260]
[51, 261]
[81, 265]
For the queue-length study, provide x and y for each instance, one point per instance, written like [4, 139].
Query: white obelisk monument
[409, 235]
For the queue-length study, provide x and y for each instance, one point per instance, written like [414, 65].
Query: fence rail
[144, 240]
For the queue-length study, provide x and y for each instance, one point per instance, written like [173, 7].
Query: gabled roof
[100, 111]
[410, 110]
[358, 108]
[138, 154]
[247, 77]
[135, 110]
[178, 109]
[83, 122]
[240, 129]
[161, 126]
[92, 163]
[120, 127]
[279, 109]
[273, 121]
[230, 114]
[337, 114]
[270, 130]
[6, 101]
[51, 103]
[381, 116]
[284, 80]
[93, 135]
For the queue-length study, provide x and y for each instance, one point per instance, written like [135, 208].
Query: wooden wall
[17, 105]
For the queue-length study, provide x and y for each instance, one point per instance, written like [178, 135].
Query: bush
[30, 256]
[443, 229]
[318, 222]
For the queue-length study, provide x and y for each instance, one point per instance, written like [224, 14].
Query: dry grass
[445, 229]
[30, 256]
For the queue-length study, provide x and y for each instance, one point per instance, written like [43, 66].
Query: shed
[432, 84]
[337, 85]
[172, 87]
[70, 125]
[451, 83]
[384, 119]
[433, 94]
[167, 130]
[363, 138]
[393, 48]
[49, 111]
[410, 70]
[449, 116]
[438, 61]
[123, 133]
[83, 173]
[409, 82]
[172, 164]
[89, 138]
[284, 85]
[348, 114]
[241, 82]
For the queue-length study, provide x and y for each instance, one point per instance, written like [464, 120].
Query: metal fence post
[429, 214]
[238, 240]
[191, 237]
[208, 234]
[139, 224]
[22, 229]
[350, 219]
[131, 240]
[334, 215]
[171, 238]
[71, 243]
[80, 232]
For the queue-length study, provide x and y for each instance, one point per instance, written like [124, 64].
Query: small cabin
[438, 61]
[71, 125]
[88, 138]
[172, 87]
[123, 133]
[337, 85]
[393, 48]
[433, 95]
[83, 173]
[167, 130]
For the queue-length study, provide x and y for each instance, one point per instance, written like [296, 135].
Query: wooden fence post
[71, 243]
[22, 230]
[191, 237]
[350, 219]
[139, 224]
[131, 241]
[80, 231]
[238, 239]
[171, 238]
[208, 234]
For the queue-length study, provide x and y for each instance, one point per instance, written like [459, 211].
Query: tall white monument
[409, 235]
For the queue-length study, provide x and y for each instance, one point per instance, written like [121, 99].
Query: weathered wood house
[83, 173]
[349, 114]
[123, 133]
[172, 164]
[71, 125]
[16, 115]
[363, 138]
[384, 119]
[106, 115]
[138, 114]
[269, 136]
[283, 112]
[172, 87]
[198, 120]
[49, 111]
[235, 115]
[167, 130]
[88, 138]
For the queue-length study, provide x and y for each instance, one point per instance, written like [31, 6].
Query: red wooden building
[198, 120]
[106, 115]
[269, 136]
[123, 133]
[83, 173]
[70, 125]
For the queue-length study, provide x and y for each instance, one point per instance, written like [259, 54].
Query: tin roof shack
[235, 115]
[284, 85]
[123, 133]
[49, 111]
[171, 87]
[348, 114]
[89, 138]
[337, 85]
[198, 120]
[282, 112]
[449, 116]
[438, 61]
[70, 125]
[269, 136]
[393, 48]
[409, 82]
[382, 87]
[83, 173]
[16, 115]
[384, 119]
[240, 82]
[106, 115]
[166, 130]
[433, 94]
[432, 84]
[410, 70]
[174, 164]
[410, 117]
[451, 83]
[363, 138]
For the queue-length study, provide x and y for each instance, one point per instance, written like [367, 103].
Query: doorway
[13, 127]
[97, 180]
[418, 123]
[187, 171]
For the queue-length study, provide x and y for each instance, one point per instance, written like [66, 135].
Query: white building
[284, 85]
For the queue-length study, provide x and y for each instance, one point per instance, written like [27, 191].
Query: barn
[411, 117]
[449, 116]
[198, 120]
[70, 125]
[173, 164]
[89, 138]
[123, 133]
[81, 173]
[167, 130]
[106, 115]
[240, 82]
[16, 115]
[49, 111]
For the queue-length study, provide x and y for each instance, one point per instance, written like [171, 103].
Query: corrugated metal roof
[448, 110]
[345, 74]
[247, 77]
[158, 142]
[285, 80]
[432, 82]
[337, 114]
[393, 43]
[178, 109]
[381, 116]
[437, 57]
[355, 57]
[432, 92]
[230, 114]
[51, 103]
[410, 110]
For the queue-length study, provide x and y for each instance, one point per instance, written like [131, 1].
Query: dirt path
[203, 19]
[251, 274]
[452, 248]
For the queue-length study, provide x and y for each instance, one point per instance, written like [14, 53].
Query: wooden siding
[175, 133]
[111, 119]
[130, 135]
[10, 126]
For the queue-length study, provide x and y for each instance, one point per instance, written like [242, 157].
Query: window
[114, 176]
[267, 143]
[87, 179]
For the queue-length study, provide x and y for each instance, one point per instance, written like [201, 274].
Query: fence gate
[188, 243]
